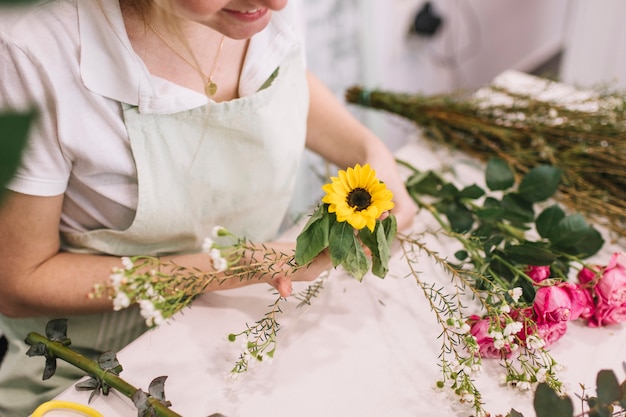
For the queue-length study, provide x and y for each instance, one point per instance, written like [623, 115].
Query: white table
[361, 349]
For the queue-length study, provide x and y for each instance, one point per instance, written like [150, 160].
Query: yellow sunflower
[358, 197]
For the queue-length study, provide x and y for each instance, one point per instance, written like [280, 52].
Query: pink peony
[538, 273]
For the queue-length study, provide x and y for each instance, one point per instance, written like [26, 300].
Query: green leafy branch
[259, 339]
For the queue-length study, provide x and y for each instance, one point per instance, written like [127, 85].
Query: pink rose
[611, 287]
[582, 304]
[607, 314]
[480, 330]
[552, 304]
[551, 332]
[589, 306]
[538, 273]
[587, 275]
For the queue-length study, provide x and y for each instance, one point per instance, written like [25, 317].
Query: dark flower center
[359, 198]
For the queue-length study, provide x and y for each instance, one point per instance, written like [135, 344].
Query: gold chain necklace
[210, 88]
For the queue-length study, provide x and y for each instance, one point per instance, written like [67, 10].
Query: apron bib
[231, 164]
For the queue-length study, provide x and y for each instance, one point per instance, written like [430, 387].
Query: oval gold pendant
[210, 88]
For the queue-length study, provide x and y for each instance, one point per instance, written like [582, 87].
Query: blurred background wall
[459, 44]
[440, 46]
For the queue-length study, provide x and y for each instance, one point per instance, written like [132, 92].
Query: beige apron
[231, 164]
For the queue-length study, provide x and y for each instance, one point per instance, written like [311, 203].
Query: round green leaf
[540, 183]
[499, 175]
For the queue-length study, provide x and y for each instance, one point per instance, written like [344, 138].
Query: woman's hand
[283, 281]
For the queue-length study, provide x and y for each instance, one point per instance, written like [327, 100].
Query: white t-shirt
[72, 60]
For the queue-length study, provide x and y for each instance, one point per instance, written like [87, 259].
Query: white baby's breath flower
[495, 335]
[515, 293]
[466, 397]
[120, 301]
[523, 385]
[534, 342]
[219, 262]
[117, 279]
[218, 231]
[207, 245]
[513, 327]
[505, 308]
[128, 264]
[150, 291]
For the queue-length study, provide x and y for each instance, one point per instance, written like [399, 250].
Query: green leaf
[14, 128]
[428, 183]
[473, 192]
[514, 413]
[460, 217]
[379, 243]
[346, 250]
[547, 403]
[571, 231]
[548, 219]
[314, 236]
[499, 175]
[608, 387]
[540, 183]
[517, 209]
[530, 253]
[588, 245]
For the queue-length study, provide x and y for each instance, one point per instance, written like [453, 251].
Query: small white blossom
[498, 343]
[505, 308]
[534, 342]
[150, 291]
[218, 231]
[128, 264]
[120, 301]
[117, 280]
[513, 328]
[523, 385]
[207, 245]
[465, 328]
[466, 397]
[219, 262]
[515, 293]
[495, 335]
[149, 312]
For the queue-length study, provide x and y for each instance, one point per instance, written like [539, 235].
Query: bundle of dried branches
[581, 132]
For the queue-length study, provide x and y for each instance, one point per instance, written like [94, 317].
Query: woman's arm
[342, 140]
[37, 279]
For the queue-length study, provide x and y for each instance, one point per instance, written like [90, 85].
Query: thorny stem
[92, 368]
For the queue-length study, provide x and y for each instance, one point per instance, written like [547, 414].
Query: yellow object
[65, 405]
[358, 197]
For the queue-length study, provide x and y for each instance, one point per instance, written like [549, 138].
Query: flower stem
[91, 367]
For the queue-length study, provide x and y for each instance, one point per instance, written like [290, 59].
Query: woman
[158, 120]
